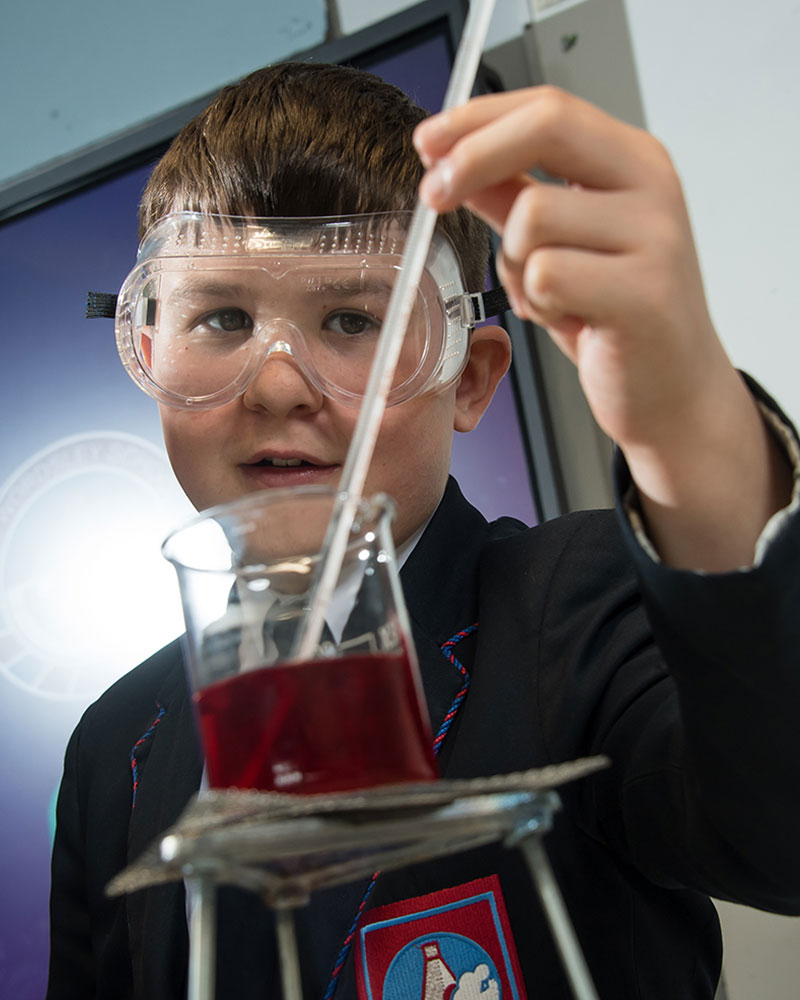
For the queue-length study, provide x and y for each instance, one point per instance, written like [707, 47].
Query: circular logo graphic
[442, 967]
[84, 592]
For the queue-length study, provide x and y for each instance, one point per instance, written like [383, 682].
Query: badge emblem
[450, 945]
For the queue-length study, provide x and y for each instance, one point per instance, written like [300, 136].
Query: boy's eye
[351, 323]
[230, 320]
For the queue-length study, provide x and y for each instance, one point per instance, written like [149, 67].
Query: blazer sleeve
[71, 972]
[718, 763]
[89, 952]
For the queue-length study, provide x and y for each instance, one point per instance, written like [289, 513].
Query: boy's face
[219, 307]
[256, 441]
[283, 432]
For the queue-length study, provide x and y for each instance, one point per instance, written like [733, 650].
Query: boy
[694, 700]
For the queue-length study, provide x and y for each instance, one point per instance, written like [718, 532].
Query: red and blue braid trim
[137, 750]
[447, 649]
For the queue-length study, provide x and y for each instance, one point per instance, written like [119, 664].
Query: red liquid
[317, 726]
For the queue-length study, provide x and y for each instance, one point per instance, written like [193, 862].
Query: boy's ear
[489, 359]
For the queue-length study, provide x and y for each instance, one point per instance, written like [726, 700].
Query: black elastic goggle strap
[493, 302]
[100, 305]
[103, 305]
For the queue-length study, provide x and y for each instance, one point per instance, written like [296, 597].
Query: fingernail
[416, 138]
[438, 182]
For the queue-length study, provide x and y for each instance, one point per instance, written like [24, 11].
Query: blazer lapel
[440, 580]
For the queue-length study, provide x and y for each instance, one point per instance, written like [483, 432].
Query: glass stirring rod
[388, 348]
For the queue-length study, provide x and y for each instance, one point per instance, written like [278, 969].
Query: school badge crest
[450, 945]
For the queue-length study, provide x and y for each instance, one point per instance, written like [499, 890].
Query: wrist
[707, 493]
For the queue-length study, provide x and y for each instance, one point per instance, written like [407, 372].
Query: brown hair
[304, 139]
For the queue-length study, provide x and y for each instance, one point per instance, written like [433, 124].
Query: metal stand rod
[287, 953]
[202, 938]
[556, 912]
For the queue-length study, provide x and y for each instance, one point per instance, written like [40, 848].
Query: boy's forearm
[707, 493]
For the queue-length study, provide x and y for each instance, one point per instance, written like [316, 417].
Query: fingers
[605, 261]
[630, 291]
[622, 203]
[547, 215]
[535, 217]
[481, 144]
[557, 288]
[435, 135]
[543, 217]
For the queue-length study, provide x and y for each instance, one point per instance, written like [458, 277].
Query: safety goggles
[213, 297]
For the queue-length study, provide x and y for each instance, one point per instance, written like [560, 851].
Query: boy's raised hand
[606, 262]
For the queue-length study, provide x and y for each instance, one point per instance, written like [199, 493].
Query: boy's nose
[281, 385]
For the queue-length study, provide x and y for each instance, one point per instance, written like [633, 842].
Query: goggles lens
[214, 298]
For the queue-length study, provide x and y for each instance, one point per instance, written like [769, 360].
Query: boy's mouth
[281, 463]
[274, 470]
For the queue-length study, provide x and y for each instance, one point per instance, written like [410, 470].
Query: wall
[74, 73]
[721, 86]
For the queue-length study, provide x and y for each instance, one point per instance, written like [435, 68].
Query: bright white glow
[84, 592]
